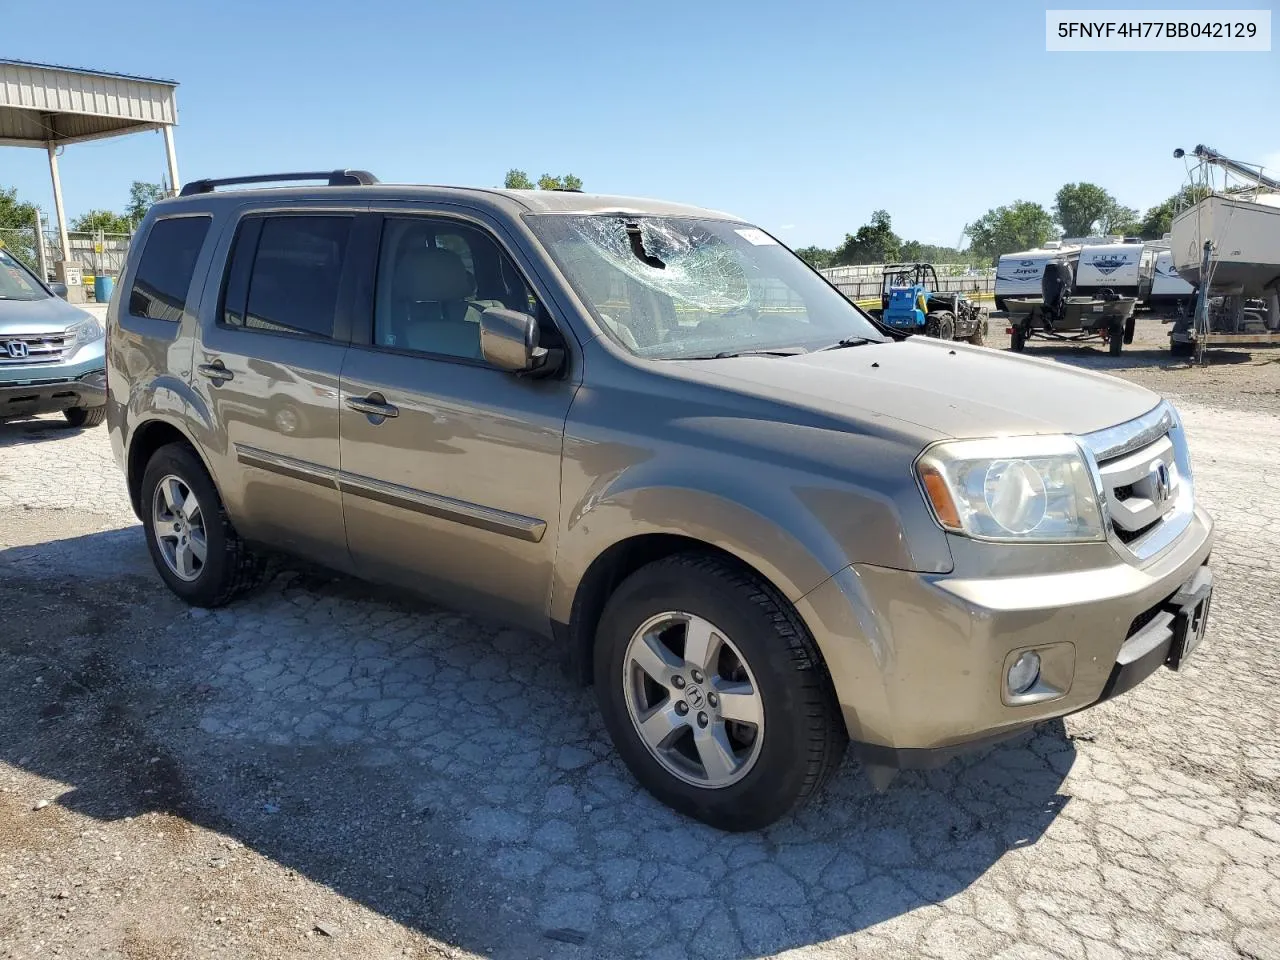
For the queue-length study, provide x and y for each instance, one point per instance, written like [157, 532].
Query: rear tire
[764, 650]
[1018, 339]
[1115, 340]
[85, 416]
[193, 545]
[1130, 326]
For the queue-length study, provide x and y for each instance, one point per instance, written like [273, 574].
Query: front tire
[940, 325]
[714, 693]
[979, 336]
[85, 416]
[192, 543]
[1115, 340]
[1130, 327]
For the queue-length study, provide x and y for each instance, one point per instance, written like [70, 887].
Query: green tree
[141, 196]
[103, 220]
[1079, 207]
[1159, 219]
[817, 257]
[875, 242]
[1120, 221]
[517, 180]
[17, 216]
[1017, 226]
[566, 182]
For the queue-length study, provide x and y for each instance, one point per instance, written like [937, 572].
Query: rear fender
[171, 401]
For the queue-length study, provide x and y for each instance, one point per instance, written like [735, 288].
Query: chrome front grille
[33, 348]
[1145, 473]
[1140, 488]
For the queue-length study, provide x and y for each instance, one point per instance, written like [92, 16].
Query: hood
[38, 316]
[950, 389]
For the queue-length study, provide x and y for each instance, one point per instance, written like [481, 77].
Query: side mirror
[509, 341]
[59, 290]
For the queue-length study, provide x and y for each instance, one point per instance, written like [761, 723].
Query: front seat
[431, 289]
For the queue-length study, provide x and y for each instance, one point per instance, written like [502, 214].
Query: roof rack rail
[335, 178]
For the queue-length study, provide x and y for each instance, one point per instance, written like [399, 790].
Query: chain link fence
[98, 254]
[20, 243]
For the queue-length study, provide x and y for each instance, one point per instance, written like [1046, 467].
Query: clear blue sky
[803, 117]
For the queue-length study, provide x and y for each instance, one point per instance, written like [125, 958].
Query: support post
[41, 258]
[57, 201]
[171, 155]
[1201, 326]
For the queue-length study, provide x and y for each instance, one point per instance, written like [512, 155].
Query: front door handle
[216, 372]
[374, 405]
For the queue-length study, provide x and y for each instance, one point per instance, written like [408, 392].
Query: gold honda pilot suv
[761, 524]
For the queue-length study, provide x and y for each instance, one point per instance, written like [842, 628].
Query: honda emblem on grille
[1161, 483]
[16, 349]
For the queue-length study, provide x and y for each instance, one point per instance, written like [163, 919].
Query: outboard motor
[1055, 287]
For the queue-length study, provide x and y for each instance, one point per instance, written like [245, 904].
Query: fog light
[1024, 673]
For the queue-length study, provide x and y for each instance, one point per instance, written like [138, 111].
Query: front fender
[793, 526]
[625, 512]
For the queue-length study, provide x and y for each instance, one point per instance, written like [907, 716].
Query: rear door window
[164, 273]
[285, 274]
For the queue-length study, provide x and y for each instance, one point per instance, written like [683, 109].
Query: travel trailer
[1118, 267]
[1167, 287]
[1018, 274]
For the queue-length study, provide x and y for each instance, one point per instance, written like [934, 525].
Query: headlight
[1017, 489]
[86, 331]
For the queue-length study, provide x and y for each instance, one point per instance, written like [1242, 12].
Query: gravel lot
[325, 770]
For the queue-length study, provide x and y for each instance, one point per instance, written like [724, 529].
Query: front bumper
[918, 661]
[78, 380]
[52, 395]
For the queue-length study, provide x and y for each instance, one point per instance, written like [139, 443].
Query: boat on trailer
[1228, 245]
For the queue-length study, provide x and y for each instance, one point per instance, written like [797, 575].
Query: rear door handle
[216, 372]
[374, 405]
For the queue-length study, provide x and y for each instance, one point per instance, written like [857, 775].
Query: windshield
[684, 288]
[16, 283]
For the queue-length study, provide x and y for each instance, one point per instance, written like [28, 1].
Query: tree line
[519, 180]
[1079, 210]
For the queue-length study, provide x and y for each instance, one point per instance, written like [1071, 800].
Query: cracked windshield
[684, 288]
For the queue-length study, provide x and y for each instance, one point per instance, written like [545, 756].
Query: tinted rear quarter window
[285, 274]
[164, 273]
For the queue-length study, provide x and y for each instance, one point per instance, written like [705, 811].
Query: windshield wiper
[847, 342]
[775, 352]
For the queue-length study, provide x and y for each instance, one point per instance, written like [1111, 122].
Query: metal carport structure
[51, 106]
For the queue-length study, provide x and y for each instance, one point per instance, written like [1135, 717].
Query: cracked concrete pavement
[325, 768]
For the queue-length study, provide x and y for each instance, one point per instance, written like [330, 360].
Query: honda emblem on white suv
[16, 349]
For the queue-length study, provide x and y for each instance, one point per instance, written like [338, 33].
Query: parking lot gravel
[326, 769]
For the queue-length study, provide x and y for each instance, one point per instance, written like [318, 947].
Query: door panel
[458, 495]
[450, 468]
[268, 365]
[278, 416]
